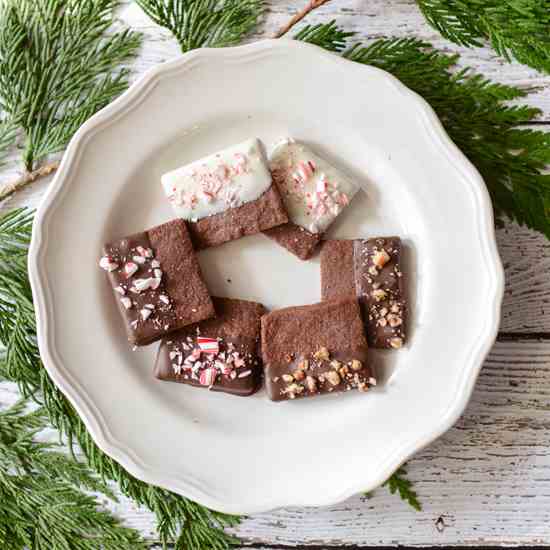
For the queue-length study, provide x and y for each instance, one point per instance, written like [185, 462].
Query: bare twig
[312, 4]
[27, 179]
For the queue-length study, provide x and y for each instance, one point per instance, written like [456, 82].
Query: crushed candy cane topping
[314, 192]
[207, 359]
[211, 185]
[139, 279]
[107, 263]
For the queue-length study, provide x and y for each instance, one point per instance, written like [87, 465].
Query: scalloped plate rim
[93, 419]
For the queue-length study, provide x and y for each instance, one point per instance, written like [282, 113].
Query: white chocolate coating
[313, 191]
[227, 179]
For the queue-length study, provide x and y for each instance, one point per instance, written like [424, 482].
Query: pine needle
[514, 28]
[58, 66]
[205, 23]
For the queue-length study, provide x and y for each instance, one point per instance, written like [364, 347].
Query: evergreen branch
[42, 505]
[27, 178]
[473, 111]
[58, 66]
[514, 28]
[311, 5]
[8, 132]
[205, 23]
[398, 482]
[190, 525]
[328, 36]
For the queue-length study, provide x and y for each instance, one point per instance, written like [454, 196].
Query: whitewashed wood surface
[487, 481]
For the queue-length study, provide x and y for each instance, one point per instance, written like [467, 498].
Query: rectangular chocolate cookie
[156, 281]
[315, 349]
[250, 218]
[226, 195]
[371, 271]
[314, 194]
[221, 354]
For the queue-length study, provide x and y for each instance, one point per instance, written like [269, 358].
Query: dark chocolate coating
[347, 268]
[295, 239]
[237, 323]
[293, 335]
[182, 283]
[265, 212]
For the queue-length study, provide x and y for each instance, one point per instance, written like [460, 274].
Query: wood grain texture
[487, 481]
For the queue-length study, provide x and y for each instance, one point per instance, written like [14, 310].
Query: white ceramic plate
[248, 454]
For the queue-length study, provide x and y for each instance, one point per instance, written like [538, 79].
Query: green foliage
[190, 525]
[205, 23]
[58, 66]
[477, 118]
[400, 484]
[8, 132]
[42, 503]
[515, 28]
[327, 35]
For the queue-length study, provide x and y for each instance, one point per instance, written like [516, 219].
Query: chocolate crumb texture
[371, 270]
[156, 281]
[220, 354]
[327, 347]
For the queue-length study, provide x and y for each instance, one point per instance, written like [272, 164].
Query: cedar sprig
[179, 520]
[517, 29]
[205, 23]
[58, 66]
[404, 487]
[42, 500]
[327, 35]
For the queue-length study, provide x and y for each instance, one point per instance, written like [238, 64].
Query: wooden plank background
[487, 481]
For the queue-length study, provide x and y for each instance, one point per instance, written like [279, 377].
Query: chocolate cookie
[226, 195]
[315, 349]
[314, 193]
[221, 354]
[371, 271]
[156, 281]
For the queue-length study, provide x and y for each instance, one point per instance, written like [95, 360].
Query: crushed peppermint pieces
[206, 360]
[145, 313]
[208, 345]
[140, 276]
[208, 376]
[108, 264]
[130, 268]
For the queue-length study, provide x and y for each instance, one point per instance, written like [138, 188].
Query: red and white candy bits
[208, 376]
[208, 345]
[107, 263]
[130, 268]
